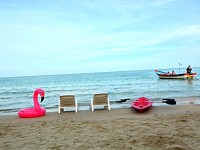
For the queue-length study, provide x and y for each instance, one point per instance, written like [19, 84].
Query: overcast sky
[42, 37]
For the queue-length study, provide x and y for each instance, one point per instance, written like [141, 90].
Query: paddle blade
[169, 101]
[123, 100]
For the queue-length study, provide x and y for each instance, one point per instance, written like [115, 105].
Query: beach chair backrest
[100, 98]
[67, 100]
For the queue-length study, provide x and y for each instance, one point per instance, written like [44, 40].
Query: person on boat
[168, 73]
[189, 70]
[173, 72]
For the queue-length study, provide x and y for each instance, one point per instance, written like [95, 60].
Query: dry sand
[160, 128]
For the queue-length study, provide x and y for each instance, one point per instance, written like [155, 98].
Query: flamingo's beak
[42, 98]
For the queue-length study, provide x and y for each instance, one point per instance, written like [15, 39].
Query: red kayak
[142, 104]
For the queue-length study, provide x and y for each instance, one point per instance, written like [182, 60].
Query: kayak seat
[141, 104]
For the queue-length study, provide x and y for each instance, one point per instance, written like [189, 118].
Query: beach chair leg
[59, 109]
[108, 104]
[109, 107]
[76, 107]
[91, 105]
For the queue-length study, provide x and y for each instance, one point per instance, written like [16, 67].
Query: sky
[46, 37]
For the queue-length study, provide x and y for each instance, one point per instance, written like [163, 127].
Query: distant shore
[167, 127]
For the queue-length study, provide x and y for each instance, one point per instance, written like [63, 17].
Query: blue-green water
[16, 92]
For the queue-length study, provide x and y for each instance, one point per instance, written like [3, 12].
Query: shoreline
[168, 127]
[154, 110]
[114, 105]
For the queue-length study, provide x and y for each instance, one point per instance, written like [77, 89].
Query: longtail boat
[164, 75]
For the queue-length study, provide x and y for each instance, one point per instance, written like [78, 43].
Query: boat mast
[179, 67]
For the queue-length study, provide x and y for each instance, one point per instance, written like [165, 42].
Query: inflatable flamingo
[37, 111]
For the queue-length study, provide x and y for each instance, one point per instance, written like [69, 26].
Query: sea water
[17, 92]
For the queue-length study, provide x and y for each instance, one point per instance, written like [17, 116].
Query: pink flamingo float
[37, 111]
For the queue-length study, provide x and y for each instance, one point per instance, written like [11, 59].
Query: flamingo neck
[35, 100]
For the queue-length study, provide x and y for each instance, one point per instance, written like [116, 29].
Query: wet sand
[167, 127]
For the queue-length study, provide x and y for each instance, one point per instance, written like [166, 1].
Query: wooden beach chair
[100, 99]
[67, 101]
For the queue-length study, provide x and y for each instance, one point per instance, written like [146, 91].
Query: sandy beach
[160, 128]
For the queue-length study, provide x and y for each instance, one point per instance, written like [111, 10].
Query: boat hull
[177, 76]
[142, 104]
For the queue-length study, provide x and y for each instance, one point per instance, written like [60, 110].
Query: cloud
[192, 31]
[162, 2]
